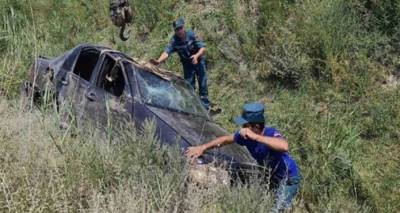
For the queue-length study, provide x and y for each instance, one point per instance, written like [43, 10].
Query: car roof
[119, 56]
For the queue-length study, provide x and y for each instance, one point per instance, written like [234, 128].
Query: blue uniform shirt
[191, 45]
[281, 164]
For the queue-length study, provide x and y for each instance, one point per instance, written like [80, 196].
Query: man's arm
[162, 57]
[201, 52]
[275, 143]
[200, 45]
[167, 51]
[197, 151]
[195, 57]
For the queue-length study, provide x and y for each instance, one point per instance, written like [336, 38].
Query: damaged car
[102, 86]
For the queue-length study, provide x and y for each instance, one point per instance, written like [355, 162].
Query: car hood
[197, 130]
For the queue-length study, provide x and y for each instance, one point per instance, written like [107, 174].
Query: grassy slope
[318, 66]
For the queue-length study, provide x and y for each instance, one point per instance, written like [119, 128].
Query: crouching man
[267, 146]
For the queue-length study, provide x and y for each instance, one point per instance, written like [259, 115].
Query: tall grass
[44, 168]
[319, 66]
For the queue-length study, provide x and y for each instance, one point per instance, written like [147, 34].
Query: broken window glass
[176, 95]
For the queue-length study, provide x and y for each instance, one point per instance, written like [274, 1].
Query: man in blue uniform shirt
[268, 148]
[191, 53]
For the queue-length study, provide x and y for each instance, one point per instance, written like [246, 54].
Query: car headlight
[200, 161]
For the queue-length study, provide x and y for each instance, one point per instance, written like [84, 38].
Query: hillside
[326, 70]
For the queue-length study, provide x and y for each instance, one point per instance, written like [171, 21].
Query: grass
[319, 66]
[44, 169]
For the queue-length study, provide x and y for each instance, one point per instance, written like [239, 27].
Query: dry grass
[45, 169]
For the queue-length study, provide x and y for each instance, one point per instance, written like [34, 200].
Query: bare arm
[195, 57]
[197, 151]
[277, 144]
[162, 57]
[201, 52]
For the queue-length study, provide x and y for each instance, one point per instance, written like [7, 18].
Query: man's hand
[195, 59]
[194, 151]
[154, 62]
[246, 133]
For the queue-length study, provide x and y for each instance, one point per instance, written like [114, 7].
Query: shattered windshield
[169, 94]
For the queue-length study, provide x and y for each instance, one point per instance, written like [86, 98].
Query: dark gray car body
[90, 101]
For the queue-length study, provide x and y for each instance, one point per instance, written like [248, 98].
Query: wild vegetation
[327, 71]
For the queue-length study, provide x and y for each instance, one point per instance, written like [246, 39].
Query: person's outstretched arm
[197, 151]
[163, 57]
[167, 51]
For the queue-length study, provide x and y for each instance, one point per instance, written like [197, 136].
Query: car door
[108, 100]
[75, 83]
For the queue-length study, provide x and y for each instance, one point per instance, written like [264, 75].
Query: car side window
[86, 63]
[111, 77]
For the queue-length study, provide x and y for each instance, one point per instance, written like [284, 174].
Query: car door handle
[91, 96]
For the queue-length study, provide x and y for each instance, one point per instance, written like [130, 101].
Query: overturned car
[103, 85]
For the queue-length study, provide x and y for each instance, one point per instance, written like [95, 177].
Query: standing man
[191, 52]
[267, 146]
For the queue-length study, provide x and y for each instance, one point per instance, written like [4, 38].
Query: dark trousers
[193, 71]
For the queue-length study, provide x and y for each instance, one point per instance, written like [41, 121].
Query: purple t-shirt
[281, 164]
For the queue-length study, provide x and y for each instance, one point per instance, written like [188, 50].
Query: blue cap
[252, 113]
[178, 23]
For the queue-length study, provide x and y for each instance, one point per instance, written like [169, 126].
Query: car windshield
[174, 95]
